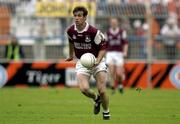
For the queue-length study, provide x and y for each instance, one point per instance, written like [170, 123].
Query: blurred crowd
[163, 26]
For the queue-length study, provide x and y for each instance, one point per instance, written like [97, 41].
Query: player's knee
[113, 75]
[119, 74]
[101, 91]
[84, 90]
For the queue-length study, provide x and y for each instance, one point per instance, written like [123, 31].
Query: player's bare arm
[125, 47]
[100, 56]
[125, 50]
[100, 39]
[71, 53]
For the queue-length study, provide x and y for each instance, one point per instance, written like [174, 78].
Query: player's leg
[101, 85]
[120, 77]
[119, 70]
[112, 75]
[83, 76]
[111, 69]
[83, 82]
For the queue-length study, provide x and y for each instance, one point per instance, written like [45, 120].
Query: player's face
[114, 23]
[79, 18]
[14, 41]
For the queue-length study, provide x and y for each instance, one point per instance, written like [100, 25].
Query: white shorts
[81, 69]
[115, 58]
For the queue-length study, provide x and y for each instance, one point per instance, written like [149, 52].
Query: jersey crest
[87, 38]
[74, 37]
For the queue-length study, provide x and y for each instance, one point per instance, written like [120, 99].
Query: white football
[88, 60]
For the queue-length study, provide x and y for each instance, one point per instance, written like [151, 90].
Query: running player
[84, 38]
[116, 51]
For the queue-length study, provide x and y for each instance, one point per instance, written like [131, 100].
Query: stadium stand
[20, 17]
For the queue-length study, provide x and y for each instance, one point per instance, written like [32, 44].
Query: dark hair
[81, 8]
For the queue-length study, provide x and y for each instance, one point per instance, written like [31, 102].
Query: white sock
[106, 111]
[120, 86]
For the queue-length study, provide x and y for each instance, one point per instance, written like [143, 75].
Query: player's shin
[120, 84]
[105, 101]
[105, 105]
[89, 93]
[111, 83]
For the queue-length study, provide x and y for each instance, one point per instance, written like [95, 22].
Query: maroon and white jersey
[116, 39]
[89, 40]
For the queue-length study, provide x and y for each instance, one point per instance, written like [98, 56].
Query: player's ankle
[106, 111]
[120, 86]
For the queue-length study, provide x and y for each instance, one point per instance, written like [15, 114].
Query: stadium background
[40, 28]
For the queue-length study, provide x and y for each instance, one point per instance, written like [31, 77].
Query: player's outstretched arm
[71, 53]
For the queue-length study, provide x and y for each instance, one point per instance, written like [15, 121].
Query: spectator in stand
[115, 2]
[13, 50]
[141, 36]
[170, 32]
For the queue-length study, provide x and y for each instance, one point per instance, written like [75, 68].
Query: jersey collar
[85, 29]
[114, 31]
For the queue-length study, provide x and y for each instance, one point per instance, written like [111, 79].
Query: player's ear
[85, 17]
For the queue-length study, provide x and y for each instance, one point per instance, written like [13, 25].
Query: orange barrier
[165, 75]
[159, 75]
[136, 76]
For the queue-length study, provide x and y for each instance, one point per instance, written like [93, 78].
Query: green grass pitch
[69, 106]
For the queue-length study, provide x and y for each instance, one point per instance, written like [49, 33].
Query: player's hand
[96, 63]
[69, 59]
